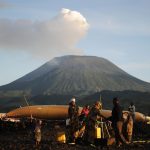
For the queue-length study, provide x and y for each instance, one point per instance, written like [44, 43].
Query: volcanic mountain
[75, 75]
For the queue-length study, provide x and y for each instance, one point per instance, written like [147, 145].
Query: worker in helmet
[93, 116]
[73, 113]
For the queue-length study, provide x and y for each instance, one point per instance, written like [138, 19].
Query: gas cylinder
[61, 137]
[97, 132]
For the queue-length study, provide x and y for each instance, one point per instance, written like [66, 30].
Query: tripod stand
[103, 126]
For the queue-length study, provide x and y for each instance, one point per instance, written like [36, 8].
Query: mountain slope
[75, 75]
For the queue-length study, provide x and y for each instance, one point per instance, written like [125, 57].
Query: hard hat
[73, 100]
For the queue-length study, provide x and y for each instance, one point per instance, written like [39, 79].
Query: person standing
[92, 121]
[85, 110]
[38, 132]
[73, 113]
[117, 122]
[84, 113]
[129, 126]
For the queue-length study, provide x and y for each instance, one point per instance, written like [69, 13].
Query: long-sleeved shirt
[73, 111]
[117, 113]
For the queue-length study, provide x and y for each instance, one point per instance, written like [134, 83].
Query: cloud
[44, 38]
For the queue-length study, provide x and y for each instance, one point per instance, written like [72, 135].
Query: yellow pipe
[59, 112]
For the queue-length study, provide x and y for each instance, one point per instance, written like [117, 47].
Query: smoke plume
[44, 38]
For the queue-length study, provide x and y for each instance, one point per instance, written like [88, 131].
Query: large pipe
[58, 112]
[40, 111]
[147, 119]
[2, 115]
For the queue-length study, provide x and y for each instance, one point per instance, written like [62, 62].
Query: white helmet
[73, 100]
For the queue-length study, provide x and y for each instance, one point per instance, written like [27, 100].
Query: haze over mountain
[75, 75]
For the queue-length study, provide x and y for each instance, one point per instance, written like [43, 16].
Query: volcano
[80, 75]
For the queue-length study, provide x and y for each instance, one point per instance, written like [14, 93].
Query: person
[38, 132]
[82, 120]
[117, 122]
[131, 109]
[84, 113]
[73, 113]
[85, 110]
[129, 127]
[91, 124]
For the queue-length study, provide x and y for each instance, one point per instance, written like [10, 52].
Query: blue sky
[118, 30]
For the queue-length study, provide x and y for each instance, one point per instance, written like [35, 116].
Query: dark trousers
[118, 132]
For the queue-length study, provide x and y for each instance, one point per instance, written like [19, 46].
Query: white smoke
[44, 38]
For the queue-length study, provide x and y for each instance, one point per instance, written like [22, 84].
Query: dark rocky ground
[16, 136]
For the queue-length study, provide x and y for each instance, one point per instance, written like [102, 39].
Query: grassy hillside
[141, 100]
